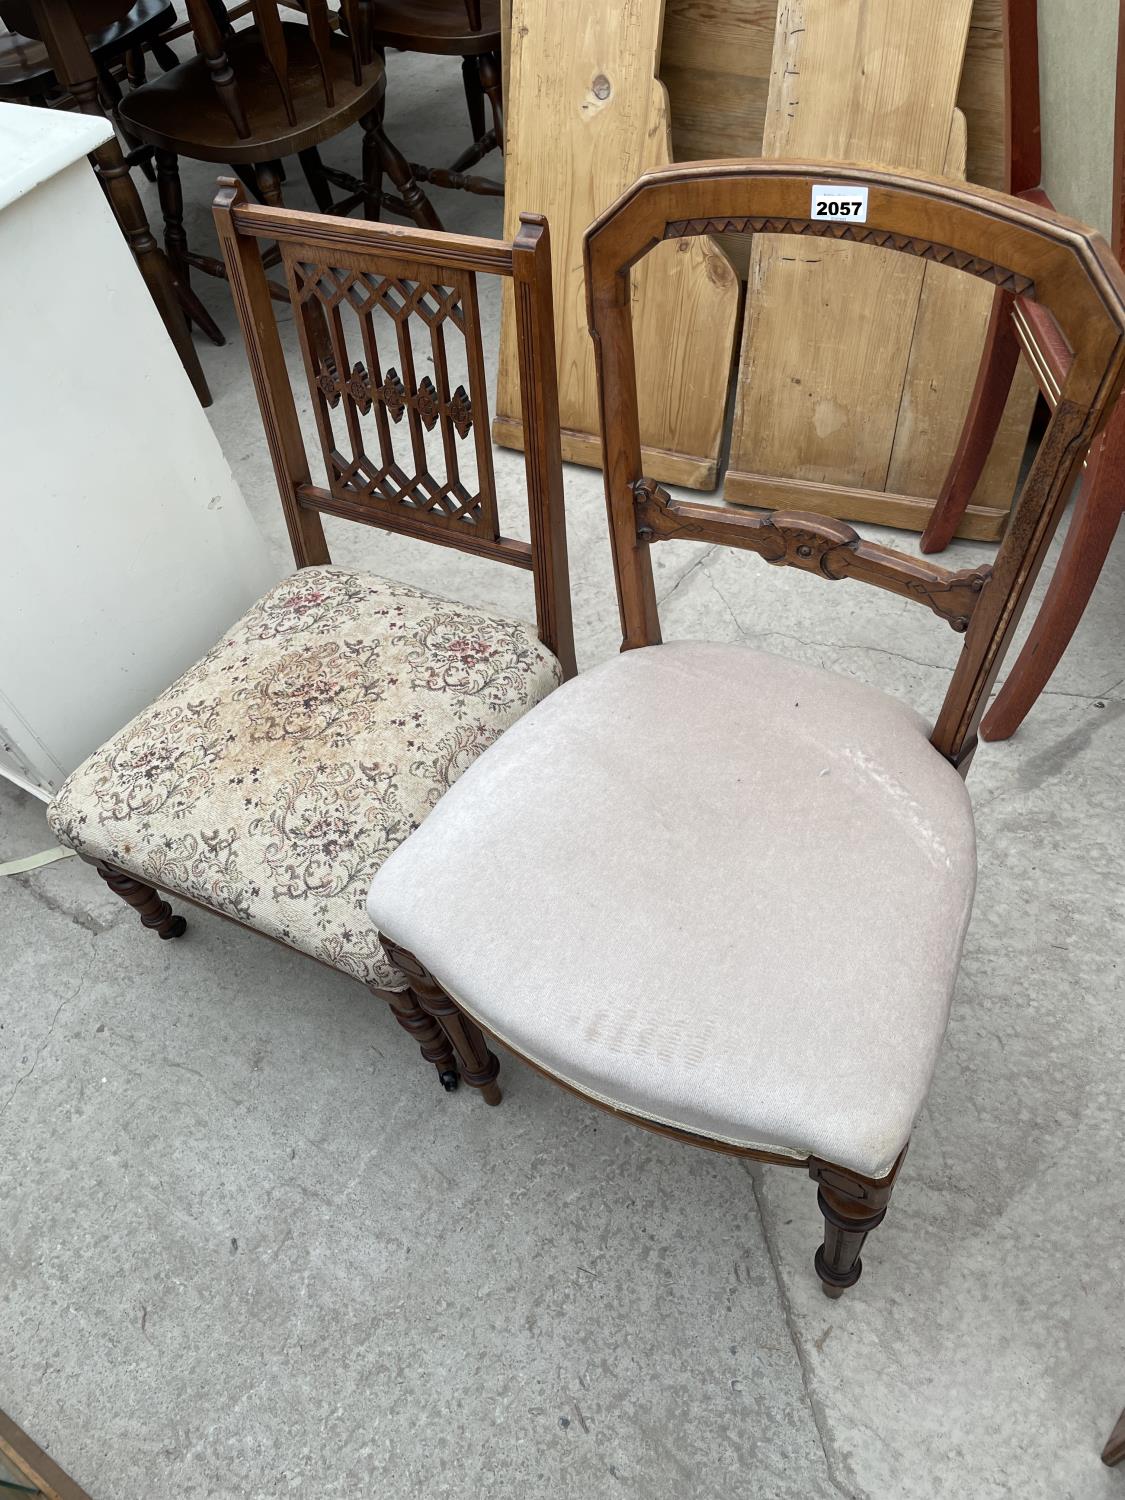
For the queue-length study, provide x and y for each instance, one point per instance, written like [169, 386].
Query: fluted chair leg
[432, 1041]
[479, 1066]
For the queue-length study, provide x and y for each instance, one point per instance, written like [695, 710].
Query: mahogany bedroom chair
[271, 779]
[1021, 327]
[612, 821]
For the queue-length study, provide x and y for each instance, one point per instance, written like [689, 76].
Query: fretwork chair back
[635, 809]
[274, 89]
[270, 780]
[471, 30]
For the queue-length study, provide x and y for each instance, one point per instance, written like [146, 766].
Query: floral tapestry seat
[273, 779]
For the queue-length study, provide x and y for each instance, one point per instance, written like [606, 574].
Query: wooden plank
[716, 64]
[586, 116]
[716, 61]
[941, 371]
[829, 325]
[877, 507]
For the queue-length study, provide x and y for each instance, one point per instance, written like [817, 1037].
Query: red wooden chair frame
[1021, 326]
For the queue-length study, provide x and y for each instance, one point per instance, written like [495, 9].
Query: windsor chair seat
[439, 27]
[25, 66]
[621, 822]
[182, 112]
[255, 96]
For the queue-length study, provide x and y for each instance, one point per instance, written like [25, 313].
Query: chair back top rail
[389, 333]
[1017, 246]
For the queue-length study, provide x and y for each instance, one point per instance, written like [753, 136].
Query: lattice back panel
[395, 367]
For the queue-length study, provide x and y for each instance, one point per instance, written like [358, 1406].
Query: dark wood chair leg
[319, 186]
[74, 67]
[1097, 513]
[491, 81]
[149, 905]
[269, 184]
[1114, 1450]
[474, 96]
[135, 66]
[372, 167]
[164, 56]
[432, 1041]
[986, 409]
[479, 1066]
[852, 1207]
[172, 207]
[249, 179]
[397, 168]
[176, 244]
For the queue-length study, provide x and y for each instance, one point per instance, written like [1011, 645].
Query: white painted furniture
[127, 548]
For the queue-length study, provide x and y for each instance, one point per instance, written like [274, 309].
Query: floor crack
[686, 574]
[63, 1003]
[815, 1408]
[60, 908]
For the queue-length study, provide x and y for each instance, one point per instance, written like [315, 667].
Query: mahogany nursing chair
[613, 822]
[270, 780]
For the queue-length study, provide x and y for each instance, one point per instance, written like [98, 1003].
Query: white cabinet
[126, 548]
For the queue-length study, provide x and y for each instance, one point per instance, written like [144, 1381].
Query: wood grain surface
[586, 116]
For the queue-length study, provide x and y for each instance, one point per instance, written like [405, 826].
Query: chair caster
[175, 928]
[448, 1080]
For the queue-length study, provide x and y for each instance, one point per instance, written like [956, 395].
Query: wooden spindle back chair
[268, 783]
[631, 804]
[471, 30]
[276, 88]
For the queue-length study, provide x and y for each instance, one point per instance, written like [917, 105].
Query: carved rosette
[461, 411]
[328, 381]
[358, 387]
[392, 393]
[426, 403]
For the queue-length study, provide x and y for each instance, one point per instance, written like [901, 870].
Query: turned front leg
[852, 1206]
[479, 1067]
[432, 1041]
[147, 902]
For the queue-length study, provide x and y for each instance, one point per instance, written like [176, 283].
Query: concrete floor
[249, 1249]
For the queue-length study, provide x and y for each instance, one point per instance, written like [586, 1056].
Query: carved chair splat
[805, 1035]
[267, 784]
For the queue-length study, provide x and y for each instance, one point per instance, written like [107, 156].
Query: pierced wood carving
[816, 544]
[944, 255]
[343, 312]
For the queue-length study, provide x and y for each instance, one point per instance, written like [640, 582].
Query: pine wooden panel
[587, 115]
[716, 64]
[829, 325]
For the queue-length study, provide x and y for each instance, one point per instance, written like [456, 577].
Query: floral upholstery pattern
[273, 779]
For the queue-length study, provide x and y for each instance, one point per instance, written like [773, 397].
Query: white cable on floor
[34, 861]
